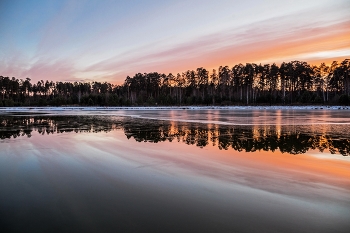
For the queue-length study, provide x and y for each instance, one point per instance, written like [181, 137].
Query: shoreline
[15, 109]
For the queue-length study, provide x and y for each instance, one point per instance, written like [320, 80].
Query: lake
[182, 170]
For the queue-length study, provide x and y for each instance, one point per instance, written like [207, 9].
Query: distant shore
[21, 109]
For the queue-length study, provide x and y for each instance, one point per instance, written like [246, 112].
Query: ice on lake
[174, 170]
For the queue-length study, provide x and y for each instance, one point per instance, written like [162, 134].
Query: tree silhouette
[294, 82]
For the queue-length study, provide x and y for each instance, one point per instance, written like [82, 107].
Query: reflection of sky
[317, 117]
[107, 40]
[106, 171]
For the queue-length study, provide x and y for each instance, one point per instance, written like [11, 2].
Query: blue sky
[108, 40]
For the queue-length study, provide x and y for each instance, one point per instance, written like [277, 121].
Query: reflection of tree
[288, 139]
[15, 126]
[240, 138]
[342, 146]
[295, 143]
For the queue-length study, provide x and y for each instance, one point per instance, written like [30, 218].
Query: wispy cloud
[253, 43]
[51, 70]
[106, 41]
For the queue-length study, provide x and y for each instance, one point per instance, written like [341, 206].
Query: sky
[102, 40]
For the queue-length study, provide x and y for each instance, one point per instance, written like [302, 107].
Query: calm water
[175, 171]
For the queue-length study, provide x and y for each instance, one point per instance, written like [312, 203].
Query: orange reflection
[266, 170]
[267, 152]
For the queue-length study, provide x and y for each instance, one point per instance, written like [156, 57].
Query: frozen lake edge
[30, 109]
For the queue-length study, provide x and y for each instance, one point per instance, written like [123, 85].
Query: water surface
[175, 171]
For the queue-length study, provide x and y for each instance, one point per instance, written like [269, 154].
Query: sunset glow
[108, 40]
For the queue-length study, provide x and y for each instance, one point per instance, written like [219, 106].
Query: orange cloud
[254, 44]
[302, 41]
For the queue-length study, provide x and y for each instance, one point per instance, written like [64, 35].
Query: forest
[290, 83]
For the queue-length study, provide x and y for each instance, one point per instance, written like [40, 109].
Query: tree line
[294, 82]
[239, 138]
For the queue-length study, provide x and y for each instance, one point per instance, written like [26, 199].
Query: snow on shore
[38, 109]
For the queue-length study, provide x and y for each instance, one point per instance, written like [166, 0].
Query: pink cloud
[256, 43]
[271, 40]
[55, 71]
